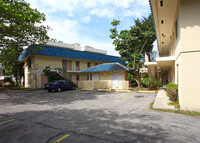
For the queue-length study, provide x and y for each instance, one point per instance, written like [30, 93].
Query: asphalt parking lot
[90, 117]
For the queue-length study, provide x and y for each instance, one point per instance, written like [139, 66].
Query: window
[77, 77]
[161, 3]
[88, 77]
[88, 64]
[64, 65]
[162, 21]
[77, 63]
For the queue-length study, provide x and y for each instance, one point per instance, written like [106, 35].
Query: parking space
[89, 116]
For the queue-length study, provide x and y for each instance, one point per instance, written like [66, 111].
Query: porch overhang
[164, 14]
[165, 61]
[148, 64]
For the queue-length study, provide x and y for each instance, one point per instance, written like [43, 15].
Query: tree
[133, 43]
[11, 65]
[20, 25]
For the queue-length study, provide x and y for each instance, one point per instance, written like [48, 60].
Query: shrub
[52, 76]
[151, 84]
[172, 91]
[8, 79]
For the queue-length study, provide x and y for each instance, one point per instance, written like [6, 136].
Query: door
[95, 76]
[69, 65]
[117, 79]
[44, 80]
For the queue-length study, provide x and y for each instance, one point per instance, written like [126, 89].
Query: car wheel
[59, 89]
[49, 90]
[73, 88]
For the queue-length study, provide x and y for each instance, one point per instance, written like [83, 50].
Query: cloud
[85, 19]
[65, 30]
[73, 6]
[71, 20]
[103, 12]
[131, 13]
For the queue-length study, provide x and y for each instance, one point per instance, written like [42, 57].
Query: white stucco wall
[188, 55]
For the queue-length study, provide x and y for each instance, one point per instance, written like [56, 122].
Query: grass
[171, 104]
[178, 111]
[23, 88]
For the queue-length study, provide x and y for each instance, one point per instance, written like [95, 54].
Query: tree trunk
[138, 79]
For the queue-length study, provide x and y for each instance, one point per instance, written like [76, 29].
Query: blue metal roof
[107, 67]
[67, 53]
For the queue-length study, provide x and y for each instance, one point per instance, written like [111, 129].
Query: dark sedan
[59, 85]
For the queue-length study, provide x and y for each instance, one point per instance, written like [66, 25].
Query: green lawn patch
[178, 111]
[23, 88]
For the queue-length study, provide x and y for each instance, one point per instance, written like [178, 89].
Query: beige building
[106, 76]
[177, 25]
[60, 57]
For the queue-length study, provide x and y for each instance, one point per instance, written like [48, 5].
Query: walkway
[162, 100]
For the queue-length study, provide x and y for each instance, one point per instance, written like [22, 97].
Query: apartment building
[177, 26]
[71, 58]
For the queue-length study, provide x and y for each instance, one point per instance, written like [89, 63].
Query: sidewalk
[161, 101]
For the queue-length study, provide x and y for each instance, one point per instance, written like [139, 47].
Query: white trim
[50, 70]
[121, 65]
[150, 63]
[70, 71]
[169, 58]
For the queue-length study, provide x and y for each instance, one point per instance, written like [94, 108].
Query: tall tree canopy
[20, 25]
[133, 43]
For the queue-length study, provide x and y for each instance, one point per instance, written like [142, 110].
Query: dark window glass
[77, 77]
[77, 63]
[161, 3]
[89, 64]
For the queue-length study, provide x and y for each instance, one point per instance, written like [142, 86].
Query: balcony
[150, 59]
[165, 61]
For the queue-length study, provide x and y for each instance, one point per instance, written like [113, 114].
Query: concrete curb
[147, 91]
[104, 90]
[118, 90]
[86, 89]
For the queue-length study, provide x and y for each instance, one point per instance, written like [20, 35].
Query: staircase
[63, 73]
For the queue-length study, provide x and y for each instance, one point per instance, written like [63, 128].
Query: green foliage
[11, 65]
[52, 76]
[151, 84]
[145, 75]
[8, 79]
[172, 91]
[23, 88]
[133, 43]
[20, 24]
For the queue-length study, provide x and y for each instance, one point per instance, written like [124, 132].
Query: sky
[87, 22]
